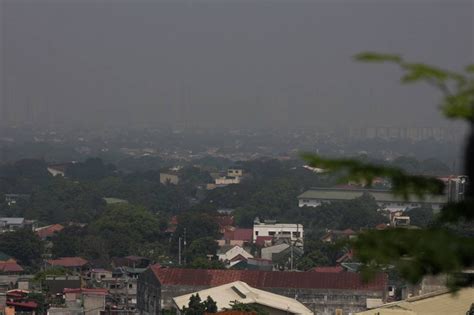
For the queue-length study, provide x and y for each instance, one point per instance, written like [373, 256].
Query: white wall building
[293, 232]
[385, 199]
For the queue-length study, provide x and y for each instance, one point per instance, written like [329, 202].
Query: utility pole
[184, 243]
[179, 250]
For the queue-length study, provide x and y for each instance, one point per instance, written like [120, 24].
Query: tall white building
[290, 231]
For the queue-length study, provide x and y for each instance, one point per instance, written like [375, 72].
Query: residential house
[88, 300]
[74, 264]
[228, 253]
[238, 291]
[169, 178]
[289, 231]
[236, 236]
[18, 302]
[11, 224]
[48, 231]
[322, 293]
[435, 303]
[58, 169]
[385, 199]
[10, 268]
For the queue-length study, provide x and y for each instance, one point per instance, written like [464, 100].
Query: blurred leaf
[470, 68]
[403, 184]
[459, 106]
[376, 57]
[414, 252]
[420, 71]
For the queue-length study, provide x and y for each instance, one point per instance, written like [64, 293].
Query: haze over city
[237, 64]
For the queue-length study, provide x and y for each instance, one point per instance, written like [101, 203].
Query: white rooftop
[12, 220]
[240, 291]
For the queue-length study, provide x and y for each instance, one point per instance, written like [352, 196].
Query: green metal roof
[379, 195]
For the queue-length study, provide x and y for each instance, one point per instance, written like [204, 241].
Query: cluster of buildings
[269, 245]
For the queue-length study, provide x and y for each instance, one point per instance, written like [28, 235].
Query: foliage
[125, 227]
[435, 250]
[41, 300]
[254, 308]
[202, 247]
[22, 244]
[40, 276]
[198, 307]
[204, 263]
[91, 169]
[421, 217]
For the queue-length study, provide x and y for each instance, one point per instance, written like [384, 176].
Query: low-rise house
[90, 301]
[99, 274]
[289, 231]
[58, 169]
[385, 198]
[322, 293]
[236, 236]
[169, 178]
[48, 231]
[10, 268]
[435, 303]
[241, 292]
[74, 264]
[228, 253]
[11, 224]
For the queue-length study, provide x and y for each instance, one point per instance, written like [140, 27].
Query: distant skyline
[228, 63]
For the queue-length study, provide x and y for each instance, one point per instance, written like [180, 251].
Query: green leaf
[414, 252]
[420, 71]
[403, 184]
[470, 68]
[376, 57]
[459, 106]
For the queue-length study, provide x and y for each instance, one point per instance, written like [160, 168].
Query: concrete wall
[321, 302]
[148, 294]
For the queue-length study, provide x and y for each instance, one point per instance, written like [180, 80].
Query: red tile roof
[335, 269]
[10, 267]
[261, 240]
[49, 230]
[68, 262]
[239, 235]
[268, 279]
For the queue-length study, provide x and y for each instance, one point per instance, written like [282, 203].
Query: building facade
[385, 199]
[322, 293]
[289, 231]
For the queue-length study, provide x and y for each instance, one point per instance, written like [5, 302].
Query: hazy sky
[226, 63]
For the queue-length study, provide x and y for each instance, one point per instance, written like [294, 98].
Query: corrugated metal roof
[68, 262]
[379, 195]
[267, 279]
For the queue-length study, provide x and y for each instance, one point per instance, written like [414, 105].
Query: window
[130, 285]
[256, 233]
[297, 234]
[271, 233]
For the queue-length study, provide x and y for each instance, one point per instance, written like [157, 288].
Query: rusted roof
[48, 231]
[268, 279]
[239, 235]
[10, 267]
[68, 262]
[333, 269]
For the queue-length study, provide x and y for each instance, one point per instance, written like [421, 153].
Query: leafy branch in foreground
[457, 88]
[403, 184]
[417, 252]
